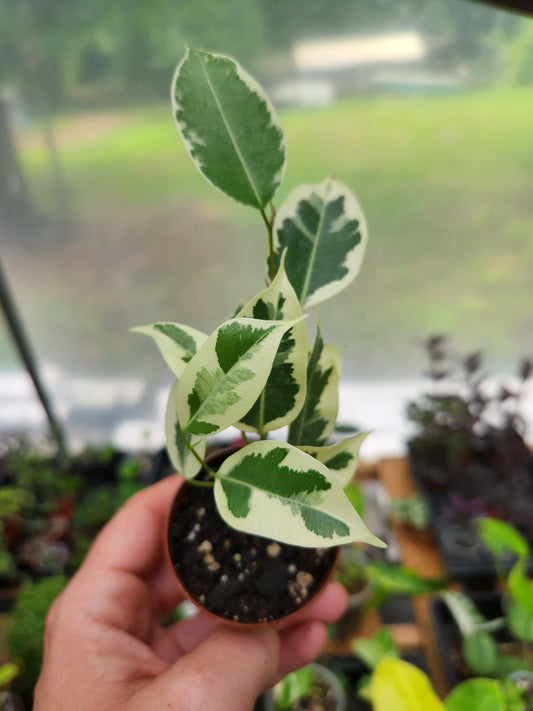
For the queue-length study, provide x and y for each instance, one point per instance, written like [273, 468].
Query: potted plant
[468, 454]
[315, 687]
[490, 633]
[274, 510]
[370, 582]
[395, 683]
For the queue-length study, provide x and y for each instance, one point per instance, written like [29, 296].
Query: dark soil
[237, 576]
[320, 697]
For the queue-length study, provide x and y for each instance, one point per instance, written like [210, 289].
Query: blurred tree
[462, 30]
[35, 40]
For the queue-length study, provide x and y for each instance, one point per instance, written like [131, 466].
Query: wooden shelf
[418, 551]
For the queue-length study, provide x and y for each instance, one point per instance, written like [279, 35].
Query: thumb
[229, 670]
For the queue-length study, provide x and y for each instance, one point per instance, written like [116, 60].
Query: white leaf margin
[328, 190]
[350, 446]
[175, 356]
[179, 454]
[270, 518]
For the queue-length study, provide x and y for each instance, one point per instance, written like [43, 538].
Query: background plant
[395, 683]
[464, 411]
[481, 651]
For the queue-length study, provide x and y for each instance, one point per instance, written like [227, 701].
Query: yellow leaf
[401, 686]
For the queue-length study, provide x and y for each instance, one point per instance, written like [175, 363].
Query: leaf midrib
[312, 258]
[225, 376]
[227, 126]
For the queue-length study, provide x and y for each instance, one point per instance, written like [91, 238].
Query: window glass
[423, 107]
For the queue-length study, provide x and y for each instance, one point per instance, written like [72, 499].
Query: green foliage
[372, 649]
[13, 501]
[356, 566]
[25, 627]
[500, 537]
[256, 371]
[411, 510]
[95, 508]
[479, 694]
[480, 650]
[8, 671]
[388, 579]
[292, 688]
[397, 684]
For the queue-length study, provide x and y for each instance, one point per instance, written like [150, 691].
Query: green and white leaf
[274, 490]
[226, 376]
[229, 127]
[177, 343]
[317, 418]
[179, 454]
[400, 579]
[340, 458]
[284, 392]
[324, 230]
[467, 616]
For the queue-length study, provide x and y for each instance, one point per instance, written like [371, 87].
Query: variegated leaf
[284, 392]
[179, 454]
[324, 230]
[226, 376]
[340, 458]
[274, 490]
[229, 127]
[318, 415]
[177, 343]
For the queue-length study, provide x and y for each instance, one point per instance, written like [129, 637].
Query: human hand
[105, 648]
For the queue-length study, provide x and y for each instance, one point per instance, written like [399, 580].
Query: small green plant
[292, 688]
[311, 687]
[411, 510]
[355, 566]
[480, 649]
[393, 683]
[25, 627]
[256, 371]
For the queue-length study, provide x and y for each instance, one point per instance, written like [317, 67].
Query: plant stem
[269, 222]
[201, 484]
[207, 469]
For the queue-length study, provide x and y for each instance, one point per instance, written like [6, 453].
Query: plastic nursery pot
[326, 693]
[232, 575]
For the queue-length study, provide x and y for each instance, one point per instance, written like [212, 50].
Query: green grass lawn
[445, 181]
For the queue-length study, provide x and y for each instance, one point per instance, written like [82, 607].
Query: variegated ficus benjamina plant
[256, 371]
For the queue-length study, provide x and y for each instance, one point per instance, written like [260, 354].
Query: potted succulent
[278, 504]
[468, 454]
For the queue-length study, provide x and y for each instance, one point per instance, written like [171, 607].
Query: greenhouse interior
[284, 249]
